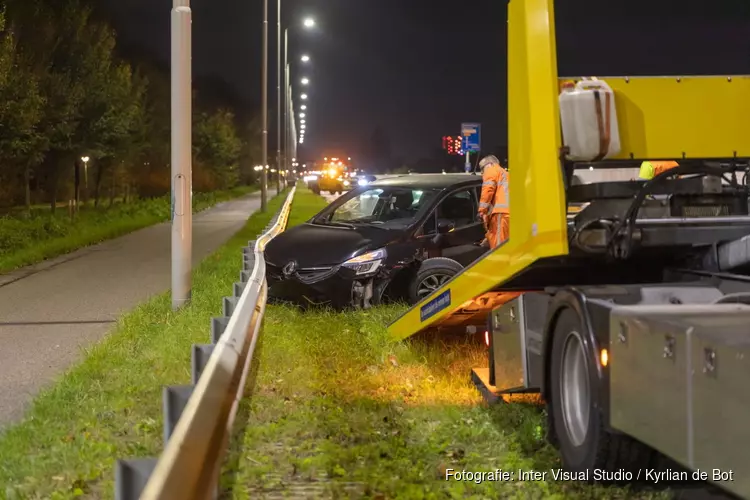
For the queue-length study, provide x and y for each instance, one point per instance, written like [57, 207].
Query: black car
[399, 238]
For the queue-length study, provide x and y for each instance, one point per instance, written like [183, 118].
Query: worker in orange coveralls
[494, 203]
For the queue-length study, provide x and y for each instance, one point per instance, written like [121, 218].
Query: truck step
[481, 379]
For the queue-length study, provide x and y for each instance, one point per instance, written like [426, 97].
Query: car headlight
[368, 262]
[346, 183]
[362, 182]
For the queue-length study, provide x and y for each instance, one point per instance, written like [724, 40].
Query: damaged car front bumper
[357, 282]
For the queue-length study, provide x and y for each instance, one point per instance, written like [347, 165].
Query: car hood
[313, 245]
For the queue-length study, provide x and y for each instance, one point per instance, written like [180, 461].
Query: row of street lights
[290, 141]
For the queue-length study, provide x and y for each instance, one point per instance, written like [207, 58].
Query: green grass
[25, 241]
[339, 411]
[109, 406]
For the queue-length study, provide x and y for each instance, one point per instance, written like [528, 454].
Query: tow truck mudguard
[593, 316]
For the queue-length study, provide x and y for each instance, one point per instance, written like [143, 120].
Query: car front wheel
[431, 276]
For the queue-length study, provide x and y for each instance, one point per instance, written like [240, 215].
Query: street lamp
[309, 22]
[303, 107]
[85, 160]
[305, 58]
[302, 115]
[305, 81]
[303, 96]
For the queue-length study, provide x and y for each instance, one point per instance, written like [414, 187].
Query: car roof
[439, 181]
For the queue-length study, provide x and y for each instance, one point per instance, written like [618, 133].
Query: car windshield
[388, 206]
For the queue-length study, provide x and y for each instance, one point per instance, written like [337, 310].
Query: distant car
[334, 184]
[364, 180]
[399, 238]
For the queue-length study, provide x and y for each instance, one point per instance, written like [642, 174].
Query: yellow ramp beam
[537, 198]
[681, 116]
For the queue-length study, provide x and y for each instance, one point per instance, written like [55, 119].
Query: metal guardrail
[198, 418]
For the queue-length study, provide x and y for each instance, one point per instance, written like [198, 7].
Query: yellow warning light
[604, 357]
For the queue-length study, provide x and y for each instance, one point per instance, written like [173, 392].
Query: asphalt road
[48, 312]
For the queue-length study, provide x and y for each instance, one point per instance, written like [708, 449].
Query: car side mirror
[445, 226]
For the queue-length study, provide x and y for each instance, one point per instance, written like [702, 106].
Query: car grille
[306, 275]
[313, 274]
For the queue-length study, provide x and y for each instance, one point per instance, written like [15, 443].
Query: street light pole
[182, 155]
[264, 99]
[279, 114]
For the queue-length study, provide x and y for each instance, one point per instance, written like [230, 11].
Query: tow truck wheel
[575, 415]
[432, 274]
[578, 426]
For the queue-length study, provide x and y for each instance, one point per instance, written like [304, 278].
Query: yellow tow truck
[628, 314]
[334, 177]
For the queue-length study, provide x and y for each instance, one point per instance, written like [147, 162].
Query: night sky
[418, 68]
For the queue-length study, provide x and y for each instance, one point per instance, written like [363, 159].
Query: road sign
[471, 137]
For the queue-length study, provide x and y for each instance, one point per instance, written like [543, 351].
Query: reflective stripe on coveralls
[504, 204]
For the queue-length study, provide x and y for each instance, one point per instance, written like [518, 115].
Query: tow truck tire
[584, 443]
[432, 274]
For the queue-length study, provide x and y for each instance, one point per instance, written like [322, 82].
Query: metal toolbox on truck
[721, 400]
[648, 374]
[517, 333]
[652, 369]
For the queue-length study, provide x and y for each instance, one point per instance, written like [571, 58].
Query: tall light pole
[264, 118]
[182, 154]
[279, 114]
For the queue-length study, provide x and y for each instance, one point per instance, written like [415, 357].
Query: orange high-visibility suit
[650, 169]
[494, 203]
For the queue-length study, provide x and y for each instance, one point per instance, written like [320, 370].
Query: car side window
[460, 208]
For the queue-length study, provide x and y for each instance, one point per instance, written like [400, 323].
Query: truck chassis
[623, 365]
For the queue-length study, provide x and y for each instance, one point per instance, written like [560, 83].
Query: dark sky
[418, 68]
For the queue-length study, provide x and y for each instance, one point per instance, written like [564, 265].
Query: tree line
[66, 94]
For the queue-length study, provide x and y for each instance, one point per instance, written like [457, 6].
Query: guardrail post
[174, 399]
[199, 360]
[238, 288]
[131, 477]
[229, 304]
[218, 325]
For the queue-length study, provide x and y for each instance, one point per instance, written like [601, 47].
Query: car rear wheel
[432, 275]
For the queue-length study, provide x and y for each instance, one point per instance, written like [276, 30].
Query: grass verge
[26, 241]
[338, 411]
[109, 406]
